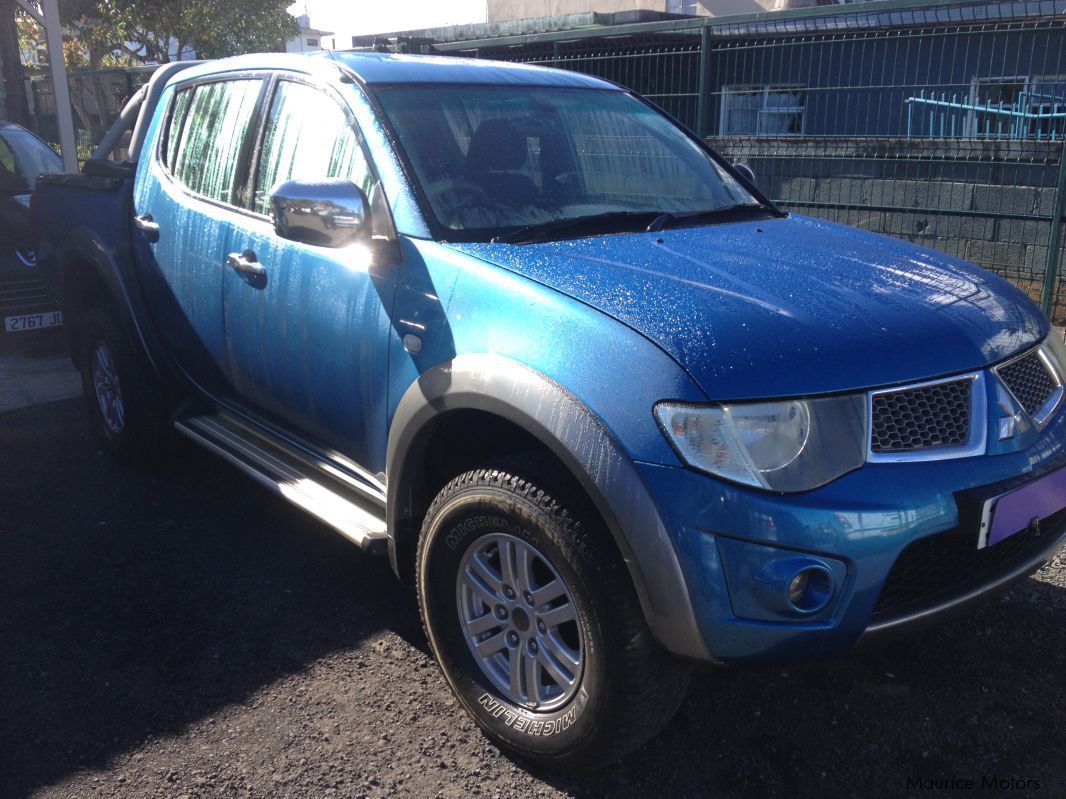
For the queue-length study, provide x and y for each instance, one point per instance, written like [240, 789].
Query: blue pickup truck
[605, 406]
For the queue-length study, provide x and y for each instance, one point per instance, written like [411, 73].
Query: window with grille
[1027, 107]
[763, 110]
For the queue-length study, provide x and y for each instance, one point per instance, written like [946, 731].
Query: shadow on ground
[134, 603]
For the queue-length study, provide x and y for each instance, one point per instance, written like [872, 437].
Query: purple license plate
[1014, 511]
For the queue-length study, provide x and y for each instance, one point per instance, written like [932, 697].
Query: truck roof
[380, 68]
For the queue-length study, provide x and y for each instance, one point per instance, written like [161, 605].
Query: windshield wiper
[611, 222]
[625, 221]
[730, 213]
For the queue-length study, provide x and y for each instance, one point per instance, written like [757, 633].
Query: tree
[158, 31]
[116, 33]
[88, 96]
[33, 43]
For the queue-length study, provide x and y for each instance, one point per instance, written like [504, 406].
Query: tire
[127, 404]
[621, 688]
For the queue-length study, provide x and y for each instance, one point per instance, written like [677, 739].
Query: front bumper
[1028, 553]
[899, 539]
[22, 294]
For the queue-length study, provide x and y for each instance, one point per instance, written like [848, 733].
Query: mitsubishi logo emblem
[1007, 426]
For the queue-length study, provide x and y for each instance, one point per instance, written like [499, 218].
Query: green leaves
[166, 30]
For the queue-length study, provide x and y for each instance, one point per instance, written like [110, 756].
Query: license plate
[1010, 513]
[32, 321]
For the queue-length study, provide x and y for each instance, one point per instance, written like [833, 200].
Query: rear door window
[212, 138]
[178, 114]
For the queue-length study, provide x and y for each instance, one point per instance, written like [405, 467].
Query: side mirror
[330, 212]
[746, 172]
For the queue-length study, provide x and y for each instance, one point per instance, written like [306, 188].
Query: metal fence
[96, 97]
[938, 122]
[1028, 115]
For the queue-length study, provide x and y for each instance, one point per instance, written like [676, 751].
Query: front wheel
[534, 621]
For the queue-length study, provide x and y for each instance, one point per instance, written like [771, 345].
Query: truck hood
[788, 307]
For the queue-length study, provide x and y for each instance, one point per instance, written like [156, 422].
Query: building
[510, 18]
[509, 10]
[308, 39]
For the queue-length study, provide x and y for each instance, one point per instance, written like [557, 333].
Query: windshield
[22, 158]
[495, 159]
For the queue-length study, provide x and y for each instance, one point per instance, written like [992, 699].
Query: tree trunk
[98, 124]
[14, 77]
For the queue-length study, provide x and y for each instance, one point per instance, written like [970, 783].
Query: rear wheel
[127, 404]
[533, 619]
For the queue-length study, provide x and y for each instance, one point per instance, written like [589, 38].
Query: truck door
[188, 199]
[307, 337]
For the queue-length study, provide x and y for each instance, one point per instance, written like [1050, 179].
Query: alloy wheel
[520, 621]
[108, 389]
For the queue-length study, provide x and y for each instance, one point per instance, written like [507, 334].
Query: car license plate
[1010, 513]
[32, 321]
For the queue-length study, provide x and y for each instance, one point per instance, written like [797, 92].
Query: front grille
[1029, 381]
[932, 570]
[924, 417]
[24, 295]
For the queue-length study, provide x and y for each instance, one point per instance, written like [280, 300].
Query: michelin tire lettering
[522, 723]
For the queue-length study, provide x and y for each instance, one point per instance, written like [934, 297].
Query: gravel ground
[183, 633]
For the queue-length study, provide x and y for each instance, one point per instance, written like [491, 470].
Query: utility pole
[14, 77]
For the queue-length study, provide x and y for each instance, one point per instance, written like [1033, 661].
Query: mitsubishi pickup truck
[606, 408]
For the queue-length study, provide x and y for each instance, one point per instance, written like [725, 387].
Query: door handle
[245, 263]
[147, 225]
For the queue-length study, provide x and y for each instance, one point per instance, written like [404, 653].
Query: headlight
[790, 445]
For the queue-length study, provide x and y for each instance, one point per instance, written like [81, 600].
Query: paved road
[184, 633]
[35, 370]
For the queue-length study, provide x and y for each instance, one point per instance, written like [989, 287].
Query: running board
[351, 506]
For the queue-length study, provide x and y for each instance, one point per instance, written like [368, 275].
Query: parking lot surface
[181, 632]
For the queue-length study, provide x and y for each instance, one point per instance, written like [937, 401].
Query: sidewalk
[30, 379]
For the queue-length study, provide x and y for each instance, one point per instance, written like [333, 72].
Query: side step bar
[351, 506]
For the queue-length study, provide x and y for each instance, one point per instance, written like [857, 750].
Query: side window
[10, 177]
[308, 137]
[22, 158]
[209, 147]
[763, 110]
[179, 111]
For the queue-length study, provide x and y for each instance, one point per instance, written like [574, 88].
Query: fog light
[809, 589]
[797, 589]
[779, 585]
